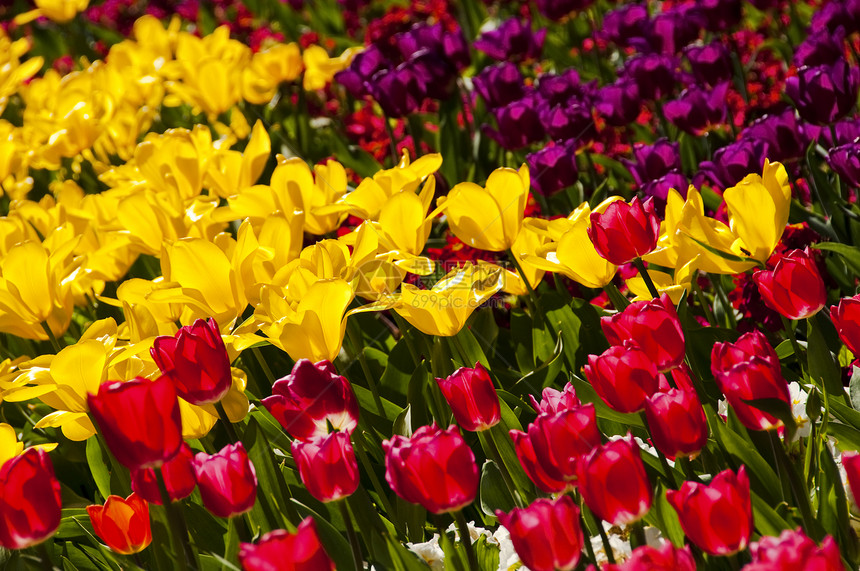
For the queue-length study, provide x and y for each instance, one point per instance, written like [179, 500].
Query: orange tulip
[123, 523]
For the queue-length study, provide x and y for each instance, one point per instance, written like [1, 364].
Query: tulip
[279, 549]
[624, 376]
[696, 109]
[434, 468]
[653, 74]
[553, 445]
[547, 534]
[748, 370]
[718, 517]
[734, 162]
[178, 474]
[327, 466]
[625, 231]
[676, 27]
[320, 69]
[824, 93]
[122, 523]
[60, 11]
[711, 63]
[794, 551]
[139, 420]
[654, 326]
[758, 209]
[569, 121]
[794, 287]
[499, 84]
[312, 398]
[488, 218]
[846, 318]
[30, 505]
[557, 168]
[613, 482]
[196, 361]
[667, 557]
[553, 400]
[677, 422]
[627, 25]
[570, 250]
[444, 309]
[513, 40]
[619, 103]
[845, 161]
[472, 397]
[781, 132]
[653, 161]
[228, 481]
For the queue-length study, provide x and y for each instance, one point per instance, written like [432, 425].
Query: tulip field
[431, 284]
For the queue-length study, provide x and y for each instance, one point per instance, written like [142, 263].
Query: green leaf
[850, 254]
[333, 541]
[587, 394]
[273, 502]
[664, 517]
[822, 366]
[494, 493]
[98, 466]
[488, 554]
[854, 387]
[767, 520]
[543, 376]
[761, 473]
[779, 409]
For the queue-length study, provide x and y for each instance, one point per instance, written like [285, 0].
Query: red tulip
[677, 422]
[310, 398]
[283, 551]
[794, 287]
[556, 442]
[196, 361]
[228, 481]
[794, 551]
[623, 376]
[434, 468]
[178, 473]
[846, 318]
[624, 232]
[748, 370]
[667, 557]
[139, 420]
[654, 326]
[718, 517]
[30, 506]
[472, 397]
[546, 535]
[613, 482]
[553, 401]
[851, 463]
[122, 523]
[327, 466]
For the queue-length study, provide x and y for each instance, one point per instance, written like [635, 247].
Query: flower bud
[846, 318]
[546, 535]
[623, 376]
[613, 482]
[122, 523]
[794, 287]
[677, 422]
[228, 481]
[279, 549]
[30, 505]
[327, 466]
[472, 397]
[654, 326]
[625, 231]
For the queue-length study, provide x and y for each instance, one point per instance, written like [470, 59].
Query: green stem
[258, 355]
[493, 450]
[789, 330]
[703, 301]
[176, 523]
[242, 529]
[410, 343]
[466, 540]
[530, 289]
[615, 296]
[358, 347]
[724, 300]
[228, 424]
[638, 534]
[801, 497]
[376, 483]
[51, 337]
[646, 277]
[350, 533]
[45, 556]
[589, 550]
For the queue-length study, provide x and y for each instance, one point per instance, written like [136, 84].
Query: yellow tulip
[230, 172]
[9, 445]
[301, 191]
[309, 323]
[758, 210]
[60, 11]
[674, 286]
[404, 220]
[269, 68]
[13, 73]
[571, 251]
[320, 69]
[34, 289]
[683, 231]
[488, 218]
[527, 243]
[444, 309]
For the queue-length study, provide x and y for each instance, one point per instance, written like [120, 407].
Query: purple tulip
[711, 64]
[824, 93]
[558, 89]
[399, 91]
[499, 84]
[364, 66]
[735, 161]
[696, 109]
[720, 15]
[571, 121]
[627, 25]
[821, 48]
[619, 103]
[675, 28]
[558, 9]
[553, 168]
[513, 40]
[518, 124]
[832, 16]
[434, 38]
[655, 74]
[651, 162]
[782, 134]
[847, 131]
[845, 161]
[659, 189]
